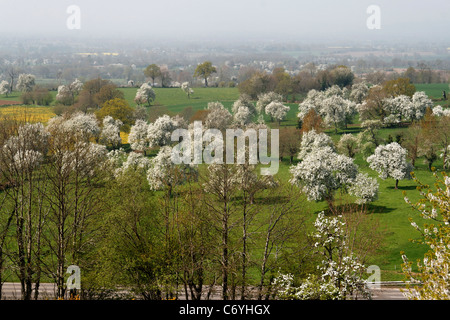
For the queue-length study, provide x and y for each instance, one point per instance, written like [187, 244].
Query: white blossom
[25, 82]
[277, 110]
[145, 94]
[364, 188]
[312, 140]
[265, 99]
[138, 137]
[4, 87]
[110, 134]
[390, 162]
[218, 117]
[159, 133]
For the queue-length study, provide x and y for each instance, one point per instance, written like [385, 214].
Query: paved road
[11, 291]
[46, 291]
[388, 293]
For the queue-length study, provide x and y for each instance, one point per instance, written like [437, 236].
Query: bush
[39, 96]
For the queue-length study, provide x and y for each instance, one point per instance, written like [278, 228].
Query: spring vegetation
[139, 226]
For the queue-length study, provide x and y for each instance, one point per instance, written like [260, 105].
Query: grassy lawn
[176, 100]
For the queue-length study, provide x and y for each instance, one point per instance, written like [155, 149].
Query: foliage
[205, 70]
[340, 273]
[433, 269]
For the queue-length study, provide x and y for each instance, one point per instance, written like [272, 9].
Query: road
[11, 291]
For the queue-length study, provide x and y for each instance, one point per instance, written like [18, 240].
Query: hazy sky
[231, 19]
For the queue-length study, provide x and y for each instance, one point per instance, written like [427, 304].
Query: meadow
[390, 210]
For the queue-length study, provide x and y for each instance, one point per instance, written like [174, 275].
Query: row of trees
[281, 82]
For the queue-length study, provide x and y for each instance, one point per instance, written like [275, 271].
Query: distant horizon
[323, 21]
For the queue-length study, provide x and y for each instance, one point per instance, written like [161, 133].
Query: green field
[176, 100]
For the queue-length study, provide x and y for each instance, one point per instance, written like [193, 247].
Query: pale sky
[231, 19]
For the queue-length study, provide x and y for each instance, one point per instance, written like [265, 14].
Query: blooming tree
[433, 269]
[243, 116]
[277, 111]
[340, 272]
[164, 174]
[244, 101]
[187, 89]
[312, 140]
[390, 162]
[359, 92]
[134, 161]
[437, 111]
[110, 133]
[348, 145]
[332, 105]
[79, 125]
[322, 172]
[420, 103]
[66, 93]
[364, 188]
[218, 117]
[159, 133]
[445, 157]
[4, 87]
[26, 82]
[265, 99]
[138, 137]
[145, 95]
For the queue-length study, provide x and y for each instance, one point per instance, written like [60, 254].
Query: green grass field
[176, 100]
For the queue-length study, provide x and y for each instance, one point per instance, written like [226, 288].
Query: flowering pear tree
[322, 172]
[438, 111]
[433, 269]
[145, 95]
[359, 92]
[390, 162]
[134, 161]
[332, 105]
[340, 273]
[242, 116]
[78, 126]
[244, 101]
[277, 111]
[66, 93]
[187, 89]
[312, 140]
[218, 117]
[348, 145]
[138, 137]
[4, 87]
[26, 82]
[110, 134]
[265, 99]
[420, 103]
[364, 188]
[159, 133]
[164, 174]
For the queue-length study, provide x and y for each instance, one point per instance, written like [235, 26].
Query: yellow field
[27, 113]
[36, 114]
[124, 137]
